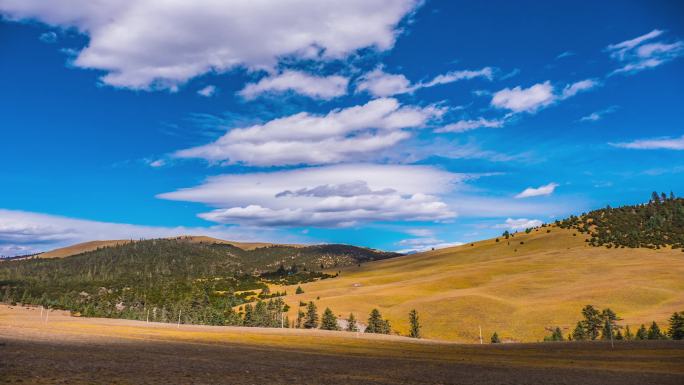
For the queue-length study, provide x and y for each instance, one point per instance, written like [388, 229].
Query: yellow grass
[513, 289]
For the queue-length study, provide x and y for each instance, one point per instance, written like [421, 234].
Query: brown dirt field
[70, 350]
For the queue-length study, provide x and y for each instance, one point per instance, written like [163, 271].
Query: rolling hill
[94, 245]
[516, 287]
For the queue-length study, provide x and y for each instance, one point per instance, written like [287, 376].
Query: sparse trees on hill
[376, 324]
[328, 320]
[414, 324]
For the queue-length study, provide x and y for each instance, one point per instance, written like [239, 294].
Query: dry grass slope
[514, 289]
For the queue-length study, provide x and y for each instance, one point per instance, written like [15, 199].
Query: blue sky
[399, 125]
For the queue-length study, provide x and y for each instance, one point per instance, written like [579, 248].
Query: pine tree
[376, 324]
[311, 319]
[248, 315]
[351, 323]
[628, 334]
[676, 331]
[299, 290]
[495, 338]
[641, 333]
[619, 336]
[592, 322]
[300, 320]
[414, 324]
[654, 332]
[328, 320]
[579, 334]
[556, 335]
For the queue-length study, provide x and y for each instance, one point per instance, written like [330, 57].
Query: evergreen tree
[414, 324]
[495, 338]
[376, 324]
[351, 323]
[300, 319]
[654, 332]
[579, 334]
[311, 320]
[628, 334]
[619, 336]
[641, 333]
[328, 320]
[248, 315]
[676, 331]
[556, 335]
[299, 290]
[592, 322]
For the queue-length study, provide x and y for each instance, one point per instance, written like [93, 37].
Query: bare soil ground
[69, 350]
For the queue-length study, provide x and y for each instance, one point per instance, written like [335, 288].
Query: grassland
[516, 287]
[59, 349]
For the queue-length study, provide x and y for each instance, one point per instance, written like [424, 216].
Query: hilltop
[517, 287]
[94, 245]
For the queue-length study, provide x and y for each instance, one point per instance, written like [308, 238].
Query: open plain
[74, 350]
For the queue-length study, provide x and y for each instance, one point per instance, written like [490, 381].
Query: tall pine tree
[328, 320]
[414, 324]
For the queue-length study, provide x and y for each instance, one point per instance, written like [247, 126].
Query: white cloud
[341, 135]
[24, 232]
[157, 163]
[539, 191]
[207, 91]
[417, 245]
[519, 224]
[317, 87]
[382, 84]
[598, 115]
[158, 43]
[329, 196]
[467, 125]
[538, 96]
[653, 144]
[573, 89]
[620, 50]
[636, 55]
[520, 99]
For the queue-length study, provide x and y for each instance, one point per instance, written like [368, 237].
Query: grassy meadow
[516, 287]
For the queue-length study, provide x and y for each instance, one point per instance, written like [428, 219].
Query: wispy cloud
[381, 84]
[565, 54]
[538, 191]
[598, 115]
[642, 53]
[538, 96]
[467, 125]
[207, 91]
[665, 143]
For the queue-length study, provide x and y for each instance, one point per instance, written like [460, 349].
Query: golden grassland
[30, 324]
[516, 287]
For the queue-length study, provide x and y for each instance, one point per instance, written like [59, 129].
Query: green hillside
[201, 280]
